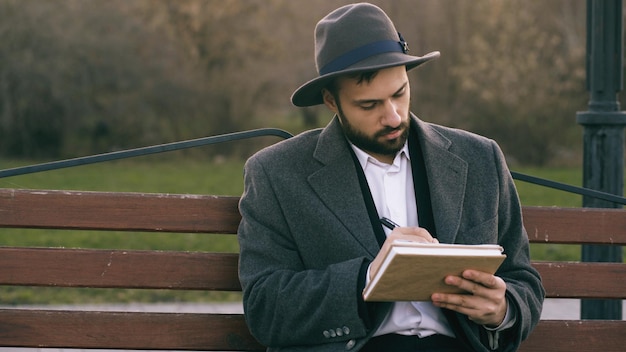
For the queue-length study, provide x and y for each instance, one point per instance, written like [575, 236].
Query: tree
[81, 77]
[522, 78]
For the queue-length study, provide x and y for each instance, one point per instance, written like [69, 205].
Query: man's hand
[485, 305]
[415, 234]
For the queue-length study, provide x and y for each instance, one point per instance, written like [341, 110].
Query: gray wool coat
[305, 236]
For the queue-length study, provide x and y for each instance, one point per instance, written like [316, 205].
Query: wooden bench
[175, 270]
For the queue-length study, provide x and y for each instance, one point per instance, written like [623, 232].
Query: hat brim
[310, 93]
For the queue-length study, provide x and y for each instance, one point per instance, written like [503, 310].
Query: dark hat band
[363, 52]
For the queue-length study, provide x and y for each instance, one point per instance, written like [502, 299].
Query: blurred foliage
[82, 77]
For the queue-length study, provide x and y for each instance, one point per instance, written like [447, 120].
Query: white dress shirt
[392, 190]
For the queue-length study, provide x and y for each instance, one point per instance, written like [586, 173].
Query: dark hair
[360, 77]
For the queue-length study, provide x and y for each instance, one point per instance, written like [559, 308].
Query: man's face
[374, 114]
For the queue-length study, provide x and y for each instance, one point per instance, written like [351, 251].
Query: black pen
[388, 223]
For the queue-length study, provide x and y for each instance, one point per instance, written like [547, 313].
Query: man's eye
[368, 106]
[399, 94]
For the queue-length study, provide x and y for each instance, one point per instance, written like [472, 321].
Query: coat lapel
[337, 186]
[447, 178]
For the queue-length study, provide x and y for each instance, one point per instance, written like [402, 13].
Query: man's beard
[375, 144]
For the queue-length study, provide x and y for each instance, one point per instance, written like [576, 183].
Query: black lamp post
[603, 164]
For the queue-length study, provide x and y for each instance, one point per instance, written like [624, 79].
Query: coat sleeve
[287, 303]
[524, 289]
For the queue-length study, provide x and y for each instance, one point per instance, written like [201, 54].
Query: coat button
[350, 344]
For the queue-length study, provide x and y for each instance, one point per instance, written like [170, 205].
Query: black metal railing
[262, 132]
[155, 149]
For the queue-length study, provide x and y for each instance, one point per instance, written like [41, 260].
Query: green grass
[191, 176]
[531, 194]
[148, 174]
[182, 176]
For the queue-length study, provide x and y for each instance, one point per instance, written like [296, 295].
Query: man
[311, 206]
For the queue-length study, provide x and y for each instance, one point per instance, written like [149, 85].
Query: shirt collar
[364, 158]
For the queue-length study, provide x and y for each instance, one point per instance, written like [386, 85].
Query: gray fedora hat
[354, 38]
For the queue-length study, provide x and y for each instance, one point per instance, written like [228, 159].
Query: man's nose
[391, 116]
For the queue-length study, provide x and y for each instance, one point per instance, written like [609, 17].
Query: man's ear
[329, 101]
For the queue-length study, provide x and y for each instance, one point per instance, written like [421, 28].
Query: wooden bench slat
[218, 271]
[583, 280]
[123, 330]
[118, 211]
[576, 335]
[575, 225]
[227, 332]
[117, 268]
[218, 214]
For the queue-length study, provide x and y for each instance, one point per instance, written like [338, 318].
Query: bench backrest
[175, 270]
[171, 270]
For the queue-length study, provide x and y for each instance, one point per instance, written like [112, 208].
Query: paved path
[568, 309]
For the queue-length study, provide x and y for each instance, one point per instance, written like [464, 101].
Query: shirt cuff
[509, 320]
